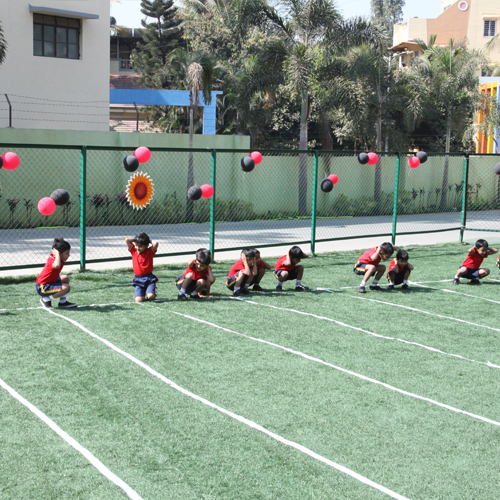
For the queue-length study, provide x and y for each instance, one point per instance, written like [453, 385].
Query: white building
[56, 72]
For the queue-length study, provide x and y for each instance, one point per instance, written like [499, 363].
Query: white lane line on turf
[454, 291]
[385, 337]
[235, 416]
[72, 442]
[344, 370]
[439, 281]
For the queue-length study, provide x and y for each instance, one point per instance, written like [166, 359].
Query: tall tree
[3, 45]
[160, 37]
[387, 13]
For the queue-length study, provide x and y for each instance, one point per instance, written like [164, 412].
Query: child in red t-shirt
[49, 284]
[369, 264]
[262, 265]
[144, 281]
[399, 270]
[198, 277]
[471, 268]
[287, 268]
[242, 273]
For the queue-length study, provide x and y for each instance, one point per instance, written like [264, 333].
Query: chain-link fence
[280, 202]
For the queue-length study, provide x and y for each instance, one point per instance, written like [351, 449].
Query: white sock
[457, 277]
[392, 283]
[405, 282]
[182, 291]
[299, 282]
[47, 298]
[375, 282]
[62, 299]
[363, 283]
[247, 285]
[236, 288]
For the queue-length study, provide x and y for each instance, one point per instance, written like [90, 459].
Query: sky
[128, 12]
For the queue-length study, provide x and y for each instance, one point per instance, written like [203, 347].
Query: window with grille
[56, 37]
[490, 27]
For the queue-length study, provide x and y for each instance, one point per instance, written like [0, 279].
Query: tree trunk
[303, 156]
[190, 177]
[444, 185]
[378, 167]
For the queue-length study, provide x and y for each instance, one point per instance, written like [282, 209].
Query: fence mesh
[269, 206]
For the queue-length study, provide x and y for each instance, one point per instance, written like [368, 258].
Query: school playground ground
[325, 394]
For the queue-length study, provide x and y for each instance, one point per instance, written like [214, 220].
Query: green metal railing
[279, 203]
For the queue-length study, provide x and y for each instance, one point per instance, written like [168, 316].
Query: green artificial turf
[351, 377]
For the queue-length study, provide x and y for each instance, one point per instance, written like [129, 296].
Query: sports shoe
[195, 295]
[68, 305]
[391, 287]
[375, 287]
[182, 296]
[279, 288]
[301, 288]
[361, 289]
[244, 291]
[46, 304]
[257, 288]
[456, 281]
[405, 287]
[475, 281]
[237, 293]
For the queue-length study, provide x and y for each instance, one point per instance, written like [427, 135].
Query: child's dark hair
[402, 255]
[481, 244]
[203, 256]
[296, 253]
[61, 245]
[387, 248]
[256, 251]
[248, 252]
[142, 239]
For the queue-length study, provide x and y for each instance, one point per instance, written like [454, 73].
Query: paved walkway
[31, 246]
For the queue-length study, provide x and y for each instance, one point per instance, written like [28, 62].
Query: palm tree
[447, 78]
[3, 45]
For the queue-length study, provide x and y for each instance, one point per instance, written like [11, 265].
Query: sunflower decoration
[139, 190]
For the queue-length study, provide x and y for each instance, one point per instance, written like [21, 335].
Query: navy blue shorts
[144, 284]
[398, 278]
[471, 273]
[190, 289]
[359, 268]
[292, 275]
[49, 288]
[231, 280]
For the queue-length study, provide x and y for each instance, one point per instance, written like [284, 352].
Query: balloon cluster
[370, 158]
[9, 161]
[419, 158]
[141, 155]
[328, 183]
[47, 205]
[248, 163]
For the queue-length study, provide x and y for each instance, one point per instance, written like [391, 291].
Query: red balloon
[256, 157]
[413, 162]
[143, 154]
[10, 160]
[334, 178]
[207, 191]
[46, 206]
[372, 158]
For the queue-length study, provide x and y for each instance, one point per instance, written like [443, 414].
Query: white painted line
[439, 281]
[77, 446]
[454, 291]
[239, 418]
[344, 370]
[385, 337]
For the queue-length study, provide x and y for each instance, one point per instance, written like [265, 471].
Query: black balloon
[194, 193]
[363, 158]
[497, 169]
[422, 156]
[130, 163]
[247, 164]
[60, 196]
[326, 185]
[1, 162]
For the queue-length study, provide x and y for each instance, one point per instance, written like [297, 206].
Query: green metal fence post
[395, 209]
[83, 206]
[314, 196]
[212, 205]
[464, 197]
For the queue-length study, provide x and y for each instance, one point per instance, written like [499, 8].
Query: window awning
[61, 12]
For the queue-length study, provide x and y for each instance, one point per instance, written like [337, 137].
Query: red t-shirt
[393, 263]
[280, 267]
[473, 261]
[260, 264]
[197, 275]
[365, 258]
[49, 274]
[142, 263]
[237, 266]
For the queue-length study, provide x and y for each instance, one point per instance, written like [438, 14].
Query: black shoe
[361, 289]
[279, 288]
[182, 296]
[375, 287]
[237, 293]
[46, 304]
[456, 281]
[68, 305]
[405, 287]
[301, 288]
[475, 281]
[391, 287]
[257, 288]
[244, 291]
[195, 296]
